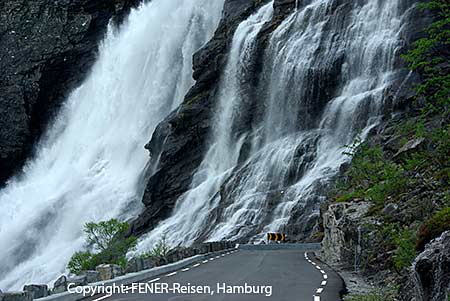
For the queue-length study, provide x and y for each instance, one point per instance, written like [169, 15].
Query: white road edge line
[316, 297]
[171, 274]
[154, 280]
[101, 298]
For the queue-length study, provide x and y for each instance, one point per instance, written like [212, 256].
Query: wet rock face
[431, 270]
[47, 50]
[179, 141]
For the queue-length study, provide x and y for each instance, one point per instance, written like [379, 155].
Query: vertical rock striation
[179, 142]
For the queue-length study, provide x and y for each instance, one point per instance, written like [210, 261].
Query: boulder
[204, 248]
[180, 253]
[149, 263]
[109, 271]
[91, 276]
[390, 209]
[36, 290]
[60, 285]
[410, 145]
[189, 252]
[135, 264]
[79, 280]
[16, 296]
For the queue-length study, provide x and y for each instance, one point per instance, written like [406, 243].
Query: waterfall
[325, 75]
[192, 210]
[89, 166]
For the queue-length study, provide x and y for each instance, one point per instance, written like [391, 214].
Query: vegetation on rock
[436, 225]
[159, 251]
[109, 244]
[429, 57]
[404, 171]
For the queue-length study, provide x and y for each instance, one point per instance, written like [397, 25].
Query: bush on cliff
[371, 176]
[107, 239]
[433, 228]
[404, 255]
[160, 250]
[429, 57]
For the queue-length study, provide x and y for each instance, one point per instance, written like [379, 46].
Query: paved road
[290, 274]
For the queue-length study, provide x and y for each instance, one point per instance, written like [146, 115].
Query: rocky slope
[383, 237]
[387, 222]
[47, 49]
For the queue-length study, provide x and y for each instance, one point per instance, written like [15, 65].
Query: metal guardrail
[283, 246]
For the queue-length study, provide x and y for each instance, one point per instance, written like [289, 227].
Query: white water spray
[296, 147]
[90, 164]
[192, 210]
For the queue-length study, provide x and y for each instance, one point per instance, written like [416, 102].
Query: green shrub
[405, 241]
[160, 250]
[371, 176]
[80, 261]
[349, 196]
[428, 56]
[108, 239]
[109, 236]
[439, 223]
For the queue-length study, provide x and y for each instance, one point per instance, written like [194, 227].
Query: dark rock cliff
[430, 277]
[47, 49]
[179, 142]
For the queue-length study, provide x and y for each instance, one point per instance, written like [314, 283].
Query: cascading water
[194, 207]
[326, 72]
[90, 164]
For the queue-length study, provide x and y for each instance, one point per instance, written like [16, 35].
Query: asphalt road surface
[276, 275]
